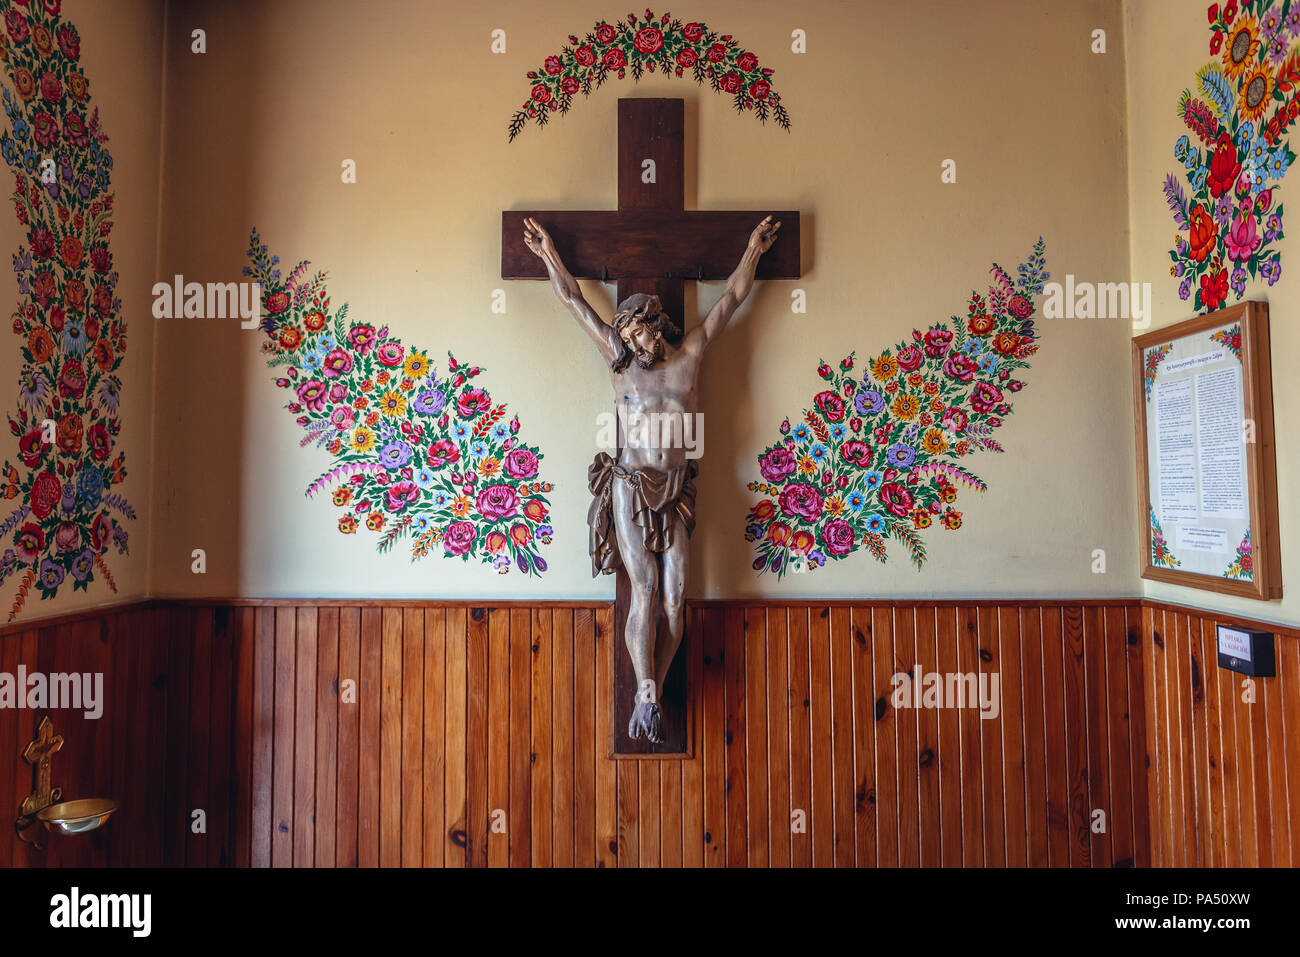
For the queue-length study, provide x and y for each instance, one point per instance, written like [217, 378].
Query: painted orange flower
[314, 320]
[461, 505]
[342, 496]
[884, 367]
[290, 337]
[906, 406]
[980, 324]
[489, 467]
[934, 442]
[348, 524]
[375, 521]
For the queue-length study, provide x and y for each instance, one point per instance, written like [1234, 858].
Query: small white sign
[1234, 643]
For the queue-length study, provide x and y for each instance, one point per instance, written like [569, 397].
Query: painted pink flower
[954, 419]
[960, 366]
[313, 394]
[473, 402]
[803, 500]
[910, 359]
[402, 494]
[497, 502]
[831, 406]
[521, 464]
[837, 536]
[777, 464]
[343, 418]
[362, 339]
[390, 353]
[937, 342]
[1242, 239]
[459, 538]
[984, 397]
[442, 452]
[337, 363]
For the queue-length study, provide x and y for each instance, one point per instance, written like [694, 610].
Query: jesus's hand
[764, 235]
[537, 239]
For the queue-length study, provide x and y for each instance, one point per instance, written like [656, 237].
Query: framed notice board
[1207, 481]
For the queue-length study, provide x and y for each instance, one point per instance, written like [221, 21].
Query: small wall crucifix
[644, 508]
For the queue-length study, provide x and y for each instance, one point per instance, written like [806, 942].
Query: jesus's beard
[646, 360]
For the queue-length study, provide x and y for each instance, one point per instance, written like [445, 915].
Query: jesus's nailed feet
[646, 722]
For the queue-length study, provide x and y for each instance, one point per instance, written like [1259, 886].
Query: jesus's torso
[657, 411]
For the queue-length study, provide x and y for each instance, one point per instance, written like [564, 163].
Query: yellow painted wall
[1168, 41]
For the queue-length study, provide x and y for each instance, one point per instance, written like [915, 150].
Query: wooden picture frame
[1252, 564]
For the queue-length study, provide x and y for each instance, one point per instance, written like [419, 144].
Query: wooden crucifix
[650, 246]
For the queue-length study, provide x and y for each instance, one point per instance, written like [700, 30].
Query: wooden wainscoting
[1224, 773]
[478, 738]
[122, 754]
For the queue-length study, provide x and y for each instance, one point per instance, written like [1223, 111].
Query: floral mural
[64, 517]
[881, 454]
[1161, 556]
[651, 44]
[1235, 153]
[419, 455]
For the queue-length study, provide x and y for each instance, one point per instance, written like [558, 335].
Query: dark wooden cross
[650, 244]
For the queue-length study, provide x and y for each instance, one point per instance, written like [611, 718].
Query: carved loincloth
[658, 500]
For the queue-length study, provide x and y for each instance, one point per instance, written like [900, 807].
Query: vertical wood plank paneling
[778, 736]
[712, 692]
[1139, 738]
[327, 736]
[390, 739]
[905, 728]
[800, 711]
[11, 730]
[821, 820]
[179, 666]
[1274, 751]
[1010, 654]
[994, 817]
[968, 663]
[1184, 780]
[670, 812]
[1197, 744]
[886, 718]
[541, 814]
[1228, 748]
[929, 820]
[1120, 816]
[433, 787]
[693, 770]
[456, 833]
[734, 735]
[411, 771]
[756, 743]
[370, 695]
[304, 738]
[646, 812]
[242, 772]
[498, 696]
[349, 741]
[1288, 671]
[1055, 734]
[264, 642]
[864, 739]
[606, 781]
[221, 736]
[585, 666]
[562, 743]
[521, 642]
[478, 760]
[1036, 805]
[1098, 752]
[1076, 737]
[950, 751]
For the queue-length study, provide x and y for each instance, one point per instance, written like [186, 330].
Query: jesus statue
[644, 508]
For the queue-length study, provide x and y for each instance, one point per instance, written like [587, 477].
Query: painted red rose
[687, 58]
[473, 402]
[32, 448]
[100, 530]
[777, 464]
[540, 93]
[401, 494]
[984, 397]
[856, 452]
[731, 82]
[1020, 306]
[459, 538]
[51, 87]
[648, 40]
[74, 294]
[1224, 167]
[390, 353]
[837, 536]
[693, 31]
[954, 419]
[937, 342]
[831, 406]
[584, 55]
[614, 59]
[717, 53]
[605, 33]
[553, 65]
[44, 128]
[570, 85]
[747, 61]
[896, 499]
[910, 359]
[521, 463]
[803, 500]
[45, 494]
[276, 303]
[960, 366]
[442, 452]
[43, 288]
[759, 90]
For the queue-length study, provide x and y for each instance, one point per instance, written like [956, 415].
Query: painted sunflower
[1256, 91]
[1242, 45]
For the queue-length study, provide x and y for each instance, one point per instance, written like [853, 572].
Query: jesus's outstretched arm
[566, 289]
[741, 281]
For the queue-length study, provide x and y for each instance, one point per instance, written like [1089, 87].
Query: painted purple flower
[395, 454]
[51, 573]
[429, 402]
[1239, 281]
[900, 456]
[869, 402]
[110, 393]
[1185, 287]
[1272, 227]
[1271, 269]
[1223, 208]
[82, 564]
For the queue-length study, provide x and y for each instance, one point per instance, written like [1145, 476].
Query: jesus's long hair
[645, 309]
